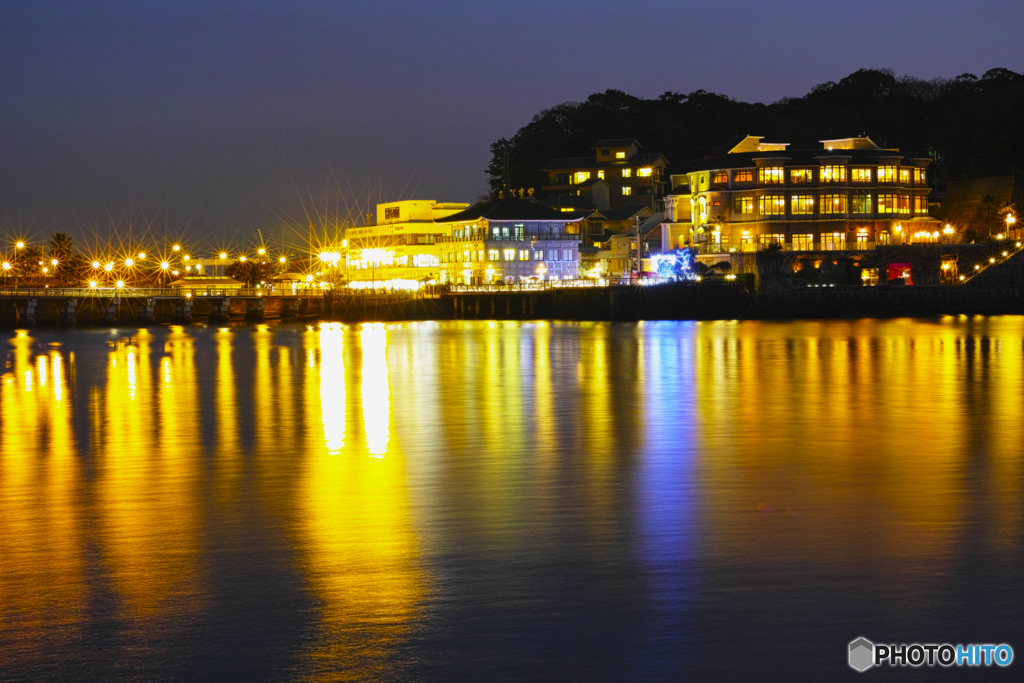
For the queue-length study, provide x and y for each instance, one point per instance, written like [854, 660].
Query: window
[492, 255]
[860, 203]
[832, 174]
[833, 203]
[860, 175]
[538, 255]
[644, 173]
[746, 242]
[802, 205]
[766, 240]
[524, 254]
[552, 254]
[803, 242]
[604, 152]
[566, 209]
[600, 174]
[801, 175]
[510, 254]
[626, 190]
[886, 203]
[746, 176]
[519, 231]
[771, 175]
[496, 233]
[904, 176]
[580, 177]
[869, 277]
[627, 172]
[920, 203]
[504, 232]
[904, 203]
[620, 155]
[743, 205]
[887, 174]
[883, 237]
[567, 254]
[720, 177]
[467, 255]
[920, 177]
[833, 241]
[862, 239]
[772, 205]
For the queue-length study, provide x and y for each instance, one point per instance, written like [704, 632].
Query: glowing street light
[120, 284]
[261, 251]
[282, 259]
[6, 265]
[176, 247]
[54, 261]
[223, 255]
[20, 245]
[129, 262]
[186, 257]
[92, 284]
[242, 259]
[96, 264]
[142, 255]
[164, 265]
[109, 267]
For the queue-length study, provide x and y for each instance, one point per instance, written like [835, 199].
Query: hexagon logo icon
[862, 654]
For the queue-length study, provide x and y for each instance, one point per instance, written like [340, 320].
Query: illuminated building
[509, 240]
[402, 245]
[615, 177]
[848, 194]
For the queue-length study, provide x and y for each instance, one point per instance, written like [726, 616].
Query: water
[508, 501]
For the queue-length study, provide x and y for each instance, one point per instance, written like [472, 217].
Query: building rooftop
[799, 157]
[507, 209]
[570, 163]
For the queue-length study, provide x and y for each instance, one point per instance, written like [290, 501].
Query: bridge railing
[174, 292]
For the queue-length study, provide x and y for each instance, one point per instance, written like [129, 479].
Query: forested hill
[973, 127]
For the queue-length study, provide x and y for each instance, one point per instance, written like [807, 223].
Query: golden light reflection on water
[358, 543]
[41, 529]
[809, 443]
[149, 482]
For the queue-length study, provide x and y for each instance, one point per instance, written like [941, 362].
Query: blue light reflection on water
[543, 501]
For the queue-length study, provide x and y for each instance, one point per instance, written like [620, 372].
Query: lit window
[538, 255]
[833, 203]
[627, 172]
[645, 172]
[743, 205]
[905, 176]
[746, 176]
[886, 174]
[720, 177]
[772, 205]
[566, 209]
[860, 203]
[860, 175]
[919, 176]
[883, 237]
[832, 241]
[510, 254]
[803, 242]
[580, 177]
[832, 174]
[802, 205]
[766, 240]
[492, 255]
[626, 191]
[801, 175]
[620, 155]
[887, 203]
[904, 203]
[600, 174]
[920, 203]
[771, 175]
[524, 254]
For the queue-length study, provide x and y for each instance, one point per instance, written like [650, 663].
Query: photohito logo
[862, 654]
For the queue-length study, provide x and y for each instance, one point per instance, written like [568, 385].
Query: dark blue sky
[232, 115]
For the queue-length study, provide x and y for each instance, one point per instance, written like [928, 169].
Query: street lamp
[948, 231]
[1010, 220]
[109, 267]
[129, 262]
[176, 247]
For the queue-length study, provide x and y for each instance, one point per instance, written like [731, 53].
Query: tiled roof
[799, 157]
[567, 201]
[507, 209]
[617, 142]
[571, 163]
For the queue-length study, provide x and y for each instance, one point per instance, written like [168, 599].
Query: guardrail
[172, 292]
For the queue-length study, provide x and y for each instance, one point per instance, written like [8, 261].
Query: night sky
[219, 117]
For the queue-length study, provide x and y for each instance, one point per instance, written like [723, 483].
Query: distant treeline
[972, 127]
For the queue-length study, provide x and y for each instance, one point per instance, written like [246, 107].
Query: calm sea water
[508, 501]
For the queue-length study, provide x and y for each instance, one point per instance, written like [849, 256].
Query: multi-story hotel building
[500, 241]
[616, 176]
[509, 240]
[849, 194]
[402, 245]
